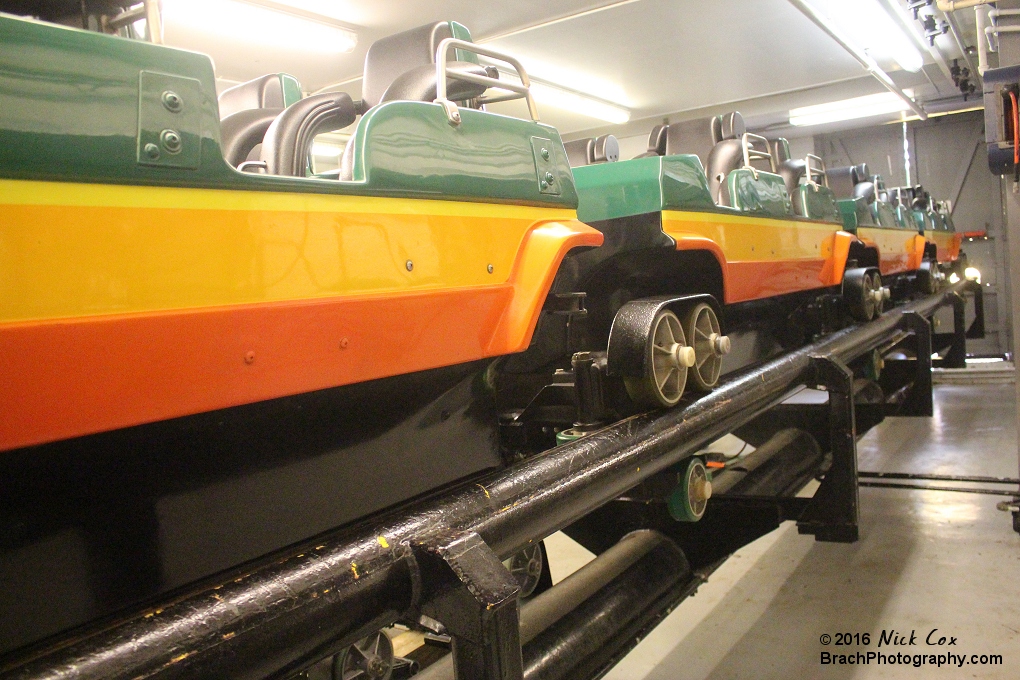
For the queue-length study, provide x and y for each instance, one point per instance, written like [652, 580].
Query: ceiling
[660, 59]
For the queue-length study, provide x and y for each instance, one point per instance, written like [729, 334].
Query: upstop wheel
[667, 359]
[371, 658]
[701, 324]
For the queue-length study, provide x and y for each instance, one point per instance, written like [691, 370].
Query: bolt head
[549, 177]
[409, 265]
[545, 154]
[544, 184]
[151, 151]
[172, 101]
[171, 140]
[344, 342]
[249, 357]
[490, 269]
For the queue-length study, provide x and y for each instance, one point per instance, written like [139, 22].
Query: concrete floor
[926, 559]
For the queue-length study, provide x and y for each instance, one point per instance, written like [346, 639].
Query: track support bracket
[834, 511]
[919, 401]
[466, 588]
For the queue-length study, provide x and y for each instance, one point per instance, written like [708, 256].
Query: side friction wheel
[701, 324]
[368, 659]
[688, 501]
[527, 568]
[878, 293]
[667, 358]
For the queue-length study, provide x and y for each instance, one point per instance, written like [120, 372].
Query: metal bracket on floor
[466, 588]
[956, 357]
[919, 399]
[977, 327]
[833, 512]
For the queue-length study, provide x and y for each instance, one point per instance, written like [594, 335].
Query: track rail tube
[287, 611]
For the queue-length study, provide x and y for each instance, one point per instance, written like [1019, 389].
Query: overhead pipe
[293, 608]
[982, 44]
[953, 5]
[860, 55]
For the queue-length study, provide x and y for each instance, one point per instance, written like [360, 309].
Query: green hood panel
[411, 146]
[820, 203]
[759, 192]
[641, 185]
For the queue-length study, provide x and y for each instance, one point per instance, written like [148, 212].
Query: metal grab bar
[753, 154]
[522, 91]
[819, 170]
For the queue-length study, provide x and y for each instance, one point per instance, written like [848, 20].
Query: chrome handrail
[522, 91]
[819, 170]
[751, 153]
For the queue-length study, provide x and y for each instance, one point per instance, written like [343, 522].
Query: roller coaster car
[754, 244]
[202, 364]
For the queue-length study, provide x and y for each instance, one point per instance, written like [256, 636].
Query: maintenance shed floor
[925, 560]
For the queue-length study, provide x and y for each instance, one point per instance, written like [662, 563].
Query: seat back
[727, 155]
[247, 110]
[391, 57]
[272, 91]
[656, 142]
[593, 150]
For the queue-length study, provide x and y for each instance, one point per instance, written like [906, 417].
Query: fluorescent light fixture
[871, 27]
[848, 109]
[267, 25]
[571, 100]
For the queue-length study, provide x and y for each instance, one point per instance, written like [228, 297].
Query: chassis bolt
[172, 101]
[171, 140]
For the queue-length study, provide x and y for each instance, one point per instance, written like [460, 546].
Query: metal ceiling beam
[860, 55]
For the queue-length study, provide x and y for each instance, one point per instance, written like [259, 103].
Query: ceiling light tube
[848, 109]
[866, 61]
[263, 24]
[571, 100]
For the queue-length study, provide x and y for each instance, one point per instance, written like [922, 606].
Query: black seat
[402, 67]
[656, 142]
[247, 110]
[843, 180]
[289, 137]
[790, 169]
[593, 150]
[727, 155]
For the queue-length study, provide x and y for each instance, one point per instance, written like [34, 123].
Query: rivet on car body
[409, 265]
[549, 177]
[490, 268]
[249, 357]
[545, 154]
[151, 152]
[344, 342]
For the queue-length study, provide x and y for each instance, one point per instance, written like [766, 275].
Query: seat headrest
[861, 173]
[272, 91]
[419, 84]
[781, 150]
[391, 57]
[593, 150]
[657, 140]
[696, 137]
[731, 126]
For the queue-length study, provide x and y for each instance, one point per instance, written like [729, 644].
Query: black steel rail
[289, 611]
